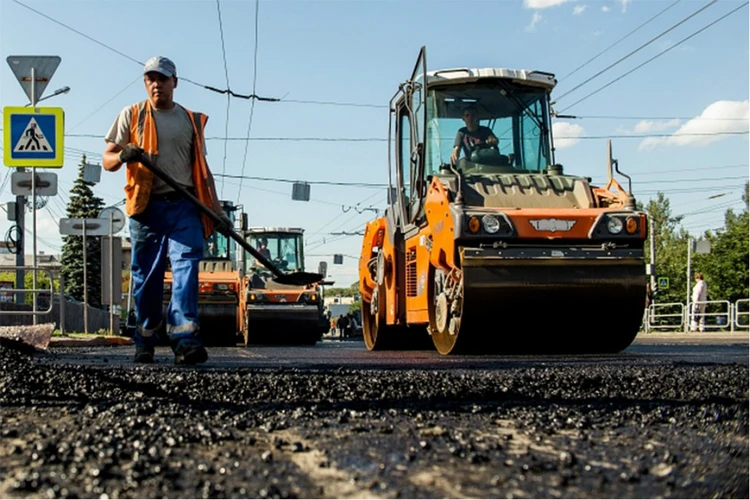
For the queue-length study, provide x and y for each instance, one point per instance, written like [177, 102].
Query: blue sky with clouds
[679, 122]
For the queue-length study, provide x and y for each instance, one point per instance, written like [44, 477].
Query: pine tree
[83, 204]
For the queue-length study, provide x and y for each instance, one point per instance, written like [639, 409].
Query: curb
[88, 342]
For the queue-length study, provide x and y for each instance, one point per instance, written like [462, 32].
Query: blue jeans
[166, 228]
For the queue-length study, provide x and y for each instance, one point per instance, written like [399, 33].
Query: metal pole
[85, 285]
[689, 309]
[130, 296]
[652, 249]
[63, 303]
[20, 247]
[33, 213]
[33, 244]
[111, 275]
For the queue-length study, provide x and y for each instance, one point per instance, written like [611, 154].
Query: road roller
[488, 245]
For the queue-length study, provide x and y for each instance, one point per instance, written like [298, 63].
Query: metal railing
[668, 316]
[35, 294]
[719, 315]
[741, 314]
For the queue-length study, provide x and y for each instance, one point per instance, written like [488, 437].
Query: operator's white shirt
[699, 291]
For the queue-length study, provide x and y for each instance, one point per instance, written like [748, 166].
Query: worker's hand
[454, 157]
[492, 140]
[130, 153]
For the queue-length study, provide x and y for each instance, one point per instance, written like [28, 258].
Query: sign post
[33, 73]
[116, 221]
[84, 227]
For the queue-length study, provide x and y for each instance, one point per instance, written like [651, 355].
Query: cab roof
[260, 229]
[462, 75]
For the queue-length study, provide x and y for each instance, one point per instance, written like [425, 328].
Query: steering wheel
[481, 145]
[280, 263]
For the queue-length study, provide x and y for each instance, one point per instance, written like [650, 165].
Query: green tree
[351, 291]
[725, 269]
[671, 249]
[83, 204]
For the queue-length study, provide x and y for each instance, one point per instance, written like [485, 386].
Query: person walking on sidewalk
[698, 311]
[162, 222]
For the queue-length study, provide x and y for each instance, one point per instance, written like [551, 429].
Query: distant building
[50, 261]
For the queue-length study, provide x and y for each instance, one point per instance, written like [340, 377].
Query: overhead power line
[620, 40]
[334, 103]
[229, 98]
[378, 139]
[252, 103]
[292, 181]
[657, 55]
[638, 49]
[606, 117]
[139, 77]
[108, 47]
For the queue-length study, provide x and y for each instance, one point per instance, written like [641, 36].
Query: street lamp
[63, 90]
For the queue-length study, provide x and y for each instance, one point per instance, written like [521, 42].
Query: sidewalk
[738, 337]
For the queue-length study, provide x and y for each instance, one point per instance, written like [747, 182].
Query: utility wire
[229, 97]
[657, 55]
[252, 103]
[207, 87]
[292, 181]
[139, 77]
[618, 41]
[637, 50]
[80, 33]
[605, 117]
[333, 103]
[680, 170]
[377, 139]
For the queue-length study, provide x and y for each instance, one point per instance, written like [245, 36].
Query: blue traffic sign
[33, 137]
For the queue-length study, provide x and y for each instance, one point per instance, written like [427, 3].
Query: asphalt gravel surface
[526, 430]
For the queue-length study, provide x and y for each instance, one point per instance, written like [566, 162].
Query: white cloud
[578, 10]
[597, 33]
[646, 126]
[535, 19]
[605, 8]
[566, 134]
[543, 4]
[624, 5]
[721, 116]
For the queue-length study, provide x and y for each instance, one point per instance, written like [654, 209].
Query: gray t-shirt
[174, 131]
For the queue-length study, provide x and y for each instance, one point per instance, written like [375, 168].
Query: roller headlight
[614, 225]
[490, 224]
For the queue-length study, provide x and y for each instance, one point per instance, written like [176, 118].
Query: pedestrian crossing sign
[33, 137]
[663, 283]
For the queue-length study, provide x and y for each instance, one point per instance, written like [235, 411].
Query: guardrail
[719, 315]
[36, 292]
[742, 314]
[668, 316]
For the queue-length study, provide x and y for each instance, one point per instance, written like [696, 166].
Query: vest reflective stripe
[140, 179]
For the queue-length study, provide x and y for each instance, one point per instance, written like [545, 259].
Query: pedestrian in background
[162, 222]
[700, 295]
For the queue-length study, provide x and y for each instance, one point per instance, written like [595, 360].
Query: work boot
[190, 353]
[144, 354]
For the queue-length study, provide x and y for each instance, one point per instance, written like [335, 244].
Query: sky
[672, 98]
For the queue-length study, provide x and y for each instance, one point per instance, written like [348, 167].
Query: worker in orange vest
[162, 222]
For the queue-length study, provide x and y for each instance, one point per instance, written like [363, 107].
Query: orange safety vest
[140, 179]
